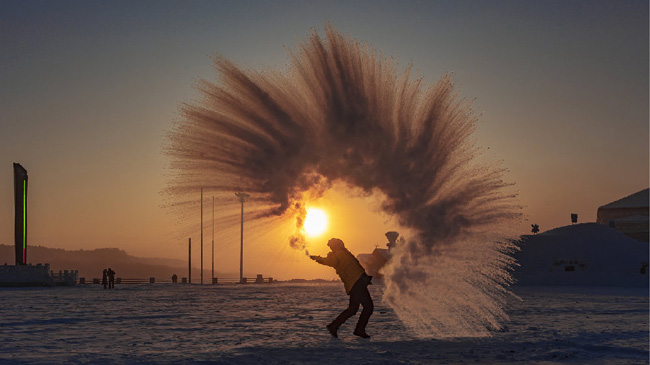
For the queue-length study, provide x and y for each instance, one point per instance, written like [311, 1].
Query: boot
[361, 333]
[332, 329]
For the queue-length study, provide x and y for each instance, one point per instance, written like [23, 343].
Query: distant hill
[582, 254]
[90, 263]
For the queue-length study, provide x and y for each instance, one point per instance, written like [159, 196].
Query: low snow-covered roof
[636, 200]
[610, 258]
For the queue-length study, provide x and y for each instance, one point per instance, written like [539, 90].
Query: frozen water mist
[342, 112]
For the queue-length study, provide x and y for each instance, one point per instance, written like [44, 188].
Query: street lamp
[242, 198]
[212, 282]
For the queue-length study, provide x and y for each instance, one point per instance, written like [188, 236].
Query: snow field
[284, 323]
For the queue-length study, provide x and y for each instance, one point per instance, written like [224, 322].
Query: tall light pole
[189, 259]
[242, 198]
[201, 236]
[212, 281]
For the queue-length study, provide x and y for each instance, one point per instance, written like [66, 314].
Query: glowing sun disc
[315, 222]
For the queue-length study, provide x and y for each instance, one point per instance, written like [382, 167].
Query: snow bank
[582, 254]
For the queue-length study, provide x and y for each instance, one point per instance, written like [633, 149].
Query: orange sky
[562, 88]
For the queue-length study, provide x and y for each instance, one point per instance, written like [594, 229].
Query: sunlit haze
[92, 89]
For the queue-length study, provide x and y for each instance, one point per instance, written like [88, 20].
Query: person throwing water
[355, 281]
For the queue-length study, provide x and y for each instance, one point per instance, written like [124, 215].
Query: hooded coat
[346, 265]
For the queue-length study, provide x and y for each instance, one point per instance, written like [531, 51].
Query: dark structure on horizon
[375, 261]
[20, 211]
[22, 274]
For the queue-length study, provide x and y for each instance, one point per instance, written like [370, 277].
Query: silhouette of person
[174, 278]
[105, 278]
[111, 278]
[355, 281]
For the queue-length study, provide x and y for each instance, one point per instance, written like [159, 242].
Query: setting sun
[315, 221]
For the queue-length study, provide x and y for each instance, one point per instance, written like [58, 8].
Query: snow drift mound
[582, 254]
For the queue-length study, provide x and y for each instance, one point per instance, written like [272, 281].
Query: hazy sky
[88, 90]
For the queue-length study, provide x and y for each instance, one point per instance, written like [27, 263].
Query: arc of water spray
[344, 113]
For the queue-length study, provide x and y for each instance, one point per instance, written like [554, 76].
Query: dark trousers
[359, 295]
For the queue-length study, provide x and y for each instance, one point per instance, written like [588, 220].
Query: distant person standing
[356, 283]
[105, 278]
[111, 278]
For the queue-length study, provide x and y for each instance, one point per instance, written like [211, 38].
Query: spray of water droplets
[343, 113]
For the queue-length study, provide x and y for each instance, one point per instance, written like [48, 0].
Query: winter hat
[335, 244]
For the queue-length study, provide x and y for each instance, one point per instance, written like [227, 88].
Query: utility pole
[201, 236]
[242, 198]
[189, 260]
[212, 281]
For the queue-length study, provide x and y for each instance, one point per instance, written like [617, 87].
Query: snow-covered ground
[284, 323]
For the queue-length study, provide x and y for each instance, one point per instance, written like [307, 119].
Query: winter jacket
[347, 266]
